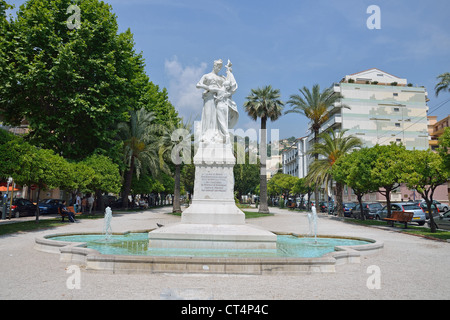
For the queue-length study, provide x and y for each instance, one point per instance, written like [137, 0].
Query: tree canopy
[72, 85]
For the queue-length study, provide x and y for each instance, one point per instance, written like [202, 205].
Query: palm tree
[264, 103]
[444, 84]
[170, 142]
[315, 106]
[334, 146]
[140, 147]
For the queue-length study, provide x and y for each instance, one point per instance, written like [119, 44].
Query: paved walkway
[410, 268]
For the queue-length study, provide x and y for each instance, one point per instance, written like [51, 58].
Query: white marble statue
[219, 110]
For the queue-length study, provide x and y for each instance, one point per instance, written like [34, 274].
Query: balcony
[337, 88]
[334, 122]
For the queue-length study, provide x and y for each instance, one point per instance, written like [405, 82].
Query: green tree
[424, 172]
[333, 146]
[106, 178]
[264, 103]
[188, 177]
[444, 147]
[302, 188]
[388, 169]
[282, 184]
[140, 148]
[315, 105]
[354, 170]
[175, 144]
[73, 85]
[157, 101]
[79, 178]
[29, 165]
[246, 175]
[443, 84]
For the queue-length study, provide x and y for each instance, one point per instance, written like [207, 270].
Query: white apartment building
[382, 108]
[295, 159]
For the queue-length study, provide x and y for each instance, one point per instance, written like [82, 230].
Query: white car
[443, 220]
[441, 206]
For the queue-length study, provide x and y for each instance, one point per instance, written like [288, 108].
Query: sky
[286, 44]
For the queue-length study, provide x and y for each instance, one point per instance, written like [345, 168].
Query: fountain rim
[77, 252]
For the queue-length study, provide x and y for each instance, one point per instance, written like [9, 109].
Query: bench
[63, 215]
[292, 205]
[400, 216]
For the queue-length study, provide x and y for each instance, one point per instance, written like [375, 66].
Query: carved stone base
[212, 236]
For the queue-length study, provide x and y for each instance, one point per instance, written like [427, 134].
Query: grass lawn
[412, 229]
[44, 224]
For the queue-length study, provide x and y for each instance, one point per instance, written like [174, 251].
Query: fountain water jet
[107, 230]
[312, 219]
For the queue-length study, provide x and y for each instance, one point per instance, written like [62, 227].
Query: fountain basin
[71, 250]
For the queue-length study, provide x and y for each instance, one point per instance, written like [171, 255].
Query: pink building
[402, 195]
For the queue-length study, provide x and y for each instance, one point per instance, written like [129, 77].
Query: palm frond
[444, 84]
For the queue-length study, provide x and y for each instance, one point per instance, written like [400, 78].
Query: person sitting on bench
[64, 211]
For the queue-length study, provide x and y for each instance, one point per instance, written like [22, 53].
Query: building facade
[436, 129]
[295, 158]
[380, 108]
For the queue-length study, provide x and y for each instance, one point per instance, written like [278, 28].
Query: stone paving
[408, 267]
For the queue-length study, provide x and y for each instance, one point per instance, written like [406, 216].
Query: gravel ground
[410, 268]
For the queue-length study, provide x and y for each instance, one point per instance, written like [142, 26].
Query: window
[395, 94]
[397, 109]
[397, 125]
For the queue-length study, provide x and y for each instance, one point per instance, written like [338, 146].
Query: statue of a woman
[219, 110]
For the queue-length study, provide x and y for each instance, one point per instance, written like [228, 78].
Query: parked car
[1, 207]
[23, 207]
[443, 221]
[369, 209]
[49, 206]
[442, 207]
[348, 206]
[434, 209]
[419, 213]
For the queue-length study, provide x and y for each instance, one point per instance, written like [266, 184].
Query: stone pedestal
[213, 221]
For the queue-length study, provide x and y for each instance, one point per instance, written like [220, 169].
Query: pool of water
[137, 244]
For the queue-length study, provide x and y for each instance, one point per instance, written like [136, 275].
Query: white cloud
[183, 93]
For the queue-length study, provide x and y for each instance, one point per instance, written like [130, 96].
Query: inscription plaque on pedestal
[214, 182]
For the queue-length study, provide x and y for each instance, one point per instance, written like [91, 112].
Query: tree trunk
[176, 200]
[263, 207]
[316, 157]
[388, 203]
[433, 228]
[339, 200]
[100, 203]
[362, 217]
[127, 185]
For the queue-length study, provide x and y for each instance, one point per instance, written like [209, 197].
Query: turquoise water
[137, 244]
